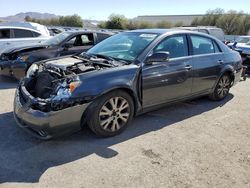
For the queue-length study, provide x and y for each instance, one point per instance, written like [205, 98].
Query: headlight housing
[31, 71]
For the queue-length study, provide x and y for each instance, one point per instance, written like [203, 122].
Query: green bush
[232, 22]
[69, 21]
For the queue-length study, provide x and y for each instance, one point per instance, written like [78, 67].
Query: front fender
[97, 83]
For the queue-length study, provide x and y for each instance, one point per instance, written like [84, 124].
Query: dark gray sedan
[123, 76]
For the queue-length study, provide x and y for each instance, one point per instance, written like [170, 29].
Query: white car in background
[242, 41]
[17, 35]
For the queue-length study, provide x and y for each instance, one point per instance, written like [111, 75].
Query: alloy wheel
[223, 86]
[114, 114]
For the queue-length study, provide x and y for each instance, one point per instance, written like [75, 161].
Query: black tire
[95, 119]
[222, 88]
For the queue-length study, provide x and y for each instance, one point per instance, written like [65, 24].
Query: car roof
[165, 31]
[153, 31]
[87, 31]
[171, 32]
[16, 27]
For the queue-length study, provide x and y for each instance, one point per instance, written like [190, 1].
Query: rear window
[4, 33]
[21, 33]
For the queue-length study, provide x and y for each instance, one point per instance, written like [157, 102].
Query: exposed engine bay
[52, 83]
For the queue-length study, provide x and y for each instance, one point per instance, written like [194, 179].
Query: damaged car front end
[14, 62]
[46, 104]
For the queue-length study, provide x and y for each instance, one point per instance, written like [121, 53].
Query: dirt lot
[193, 144]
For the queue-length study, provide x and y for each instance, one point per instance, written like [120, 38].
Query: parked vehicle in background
[240, 42]
[16, 60]
[11, 36]
[125, 75]
[31, 25]
[214, 31]
[244, 51]
[55, 30]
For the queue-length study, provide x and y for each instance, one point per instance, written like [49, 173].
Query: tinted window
[202, 45]
[35, 34]
[102, 36]
[20, 33]
[4, 33]
[176, 46]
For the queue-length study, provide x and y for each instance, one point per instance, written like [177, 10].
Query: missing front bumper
[45, 125]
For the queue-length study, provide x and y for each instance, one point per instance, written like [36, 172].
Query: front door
[167, 81]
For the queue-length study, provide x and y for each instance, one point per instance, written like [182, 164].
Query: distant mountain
[92, 24]
[21, 16]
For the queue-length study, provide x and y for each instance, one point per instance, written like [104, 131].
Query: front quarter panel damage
[95, 84]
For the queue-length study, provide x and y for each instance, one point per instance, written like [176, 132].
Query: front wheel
[222, 88]
[110, 114]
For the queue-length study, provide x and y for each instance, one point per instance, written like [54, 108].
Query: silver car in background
[13, 35]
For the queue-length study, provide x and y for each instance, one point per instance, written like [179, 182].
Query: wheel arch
[126, 89]
[226, 70]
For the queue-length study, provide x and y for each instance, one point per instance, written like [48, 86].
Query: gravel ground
[193, 144]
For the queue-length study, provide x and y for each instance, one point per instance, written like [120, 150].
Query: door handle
[188, 67]
[221, 62]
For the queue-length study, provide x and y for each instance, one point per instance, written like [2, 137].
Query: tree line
[68, 21]
[117, 21]
[232, 22]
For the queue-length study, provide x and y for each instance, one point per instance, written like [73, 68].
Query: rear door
[207, 60]
[170, 80]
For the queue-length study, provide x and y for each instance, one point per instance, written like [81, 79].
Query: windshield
[56, 40]
[126, 46]
[244, 40]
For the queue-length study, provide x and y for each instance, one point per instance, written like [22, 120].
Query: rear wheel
[222, 88]
[110, 114]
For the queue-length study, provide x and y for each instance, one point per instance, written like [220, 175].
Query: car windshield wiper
[125, 61]
[109, 59]
[103, 56]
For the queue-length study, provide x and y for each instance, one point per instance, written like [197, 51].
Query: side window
[87, 39]
[21, 33]
[82, 40]
[202, 45]
[175, 45]
[4, 33]
[216, 47]
[35, 34]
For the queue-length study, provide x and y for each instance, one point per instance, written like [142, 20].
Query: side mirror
[157, 58]
[67, 46]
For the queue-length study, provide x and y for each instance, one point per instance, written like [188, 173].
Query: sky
[101, 9]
